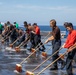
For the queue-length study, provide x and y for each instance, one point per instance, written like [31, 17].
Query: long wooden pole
[46, 60]
[42, 40]
[51, 63]
[16, 40]
[72, 47]
[32, 53]
[23, 42]
[6, 36]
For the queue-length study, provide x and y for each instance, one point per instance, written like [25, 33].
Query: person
[5, 32]
[27, 30]
[1, 27]
[29, 35]
[8, 23]
[32, 36]
[66, 33]
[70, 41]
[14, 34]
[16, 25]
[22, 36]
[37, 37]
[56, 42]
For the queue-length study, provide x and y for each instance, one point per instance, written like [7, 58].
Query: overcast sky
[39, 11]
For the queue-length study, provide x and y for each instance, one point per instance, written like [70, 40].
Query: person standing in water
[66, 33]
[70, 41]
[37, 37]
[1, 27]
[16, 25]
[56, 43]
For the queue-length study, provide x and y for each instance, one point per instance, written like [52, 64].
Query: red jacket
[71, 39]
[37, 30]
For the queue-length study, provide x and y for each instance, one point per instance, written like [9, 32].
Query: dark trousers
[38, 43]
[69, 61]
[55, 46]
[32, 40]
[37, 40]
[0, 31]
[21, 39]
[12, 40]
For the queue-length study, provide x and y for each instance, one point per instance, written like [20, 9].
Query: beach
[9, 59]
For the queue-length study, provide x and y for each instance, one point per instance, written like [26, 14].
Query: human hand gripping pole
[49, 39]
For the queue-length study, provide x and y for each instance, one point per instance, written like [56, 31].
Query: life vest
[16, 25]
[0, 26]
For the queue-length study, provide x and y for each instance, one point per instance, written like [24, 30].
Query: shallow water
[9, 59]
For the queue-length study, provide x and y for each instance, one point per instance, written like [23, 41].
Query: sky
[38, 11]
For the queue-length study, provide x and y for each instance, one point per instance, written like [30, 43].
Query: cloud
[57, 8]
[27, 6]
[44, 7]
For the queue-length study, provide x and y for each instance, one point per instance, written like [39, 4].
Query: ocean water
[48, 28]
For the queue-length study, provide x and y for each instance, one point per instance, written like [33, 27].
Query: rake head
[18, 68]
[44, 54]
[29, 73]
[2, 41]
[11, 45]
[62, 57]
[33, 50]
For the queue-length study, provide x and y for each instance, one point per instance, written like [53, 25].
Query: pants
[55, 46]
[0, 31]
[69, 61]
[12, 40]
[32, 40]
[21, 39]
[37, 39]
